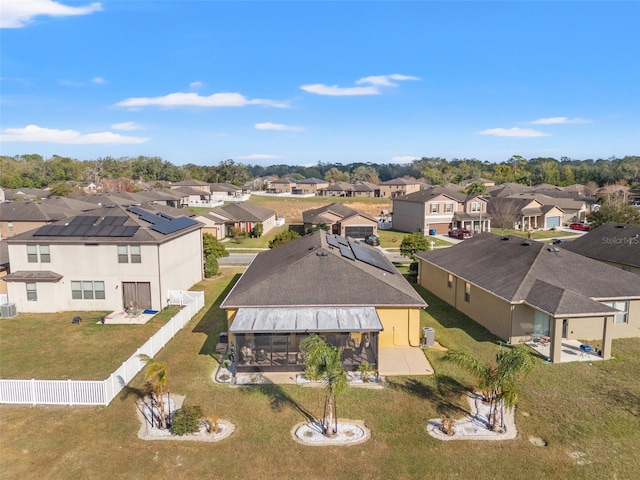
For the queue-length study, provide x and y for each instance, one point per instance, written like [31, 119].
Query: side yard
[587, 413]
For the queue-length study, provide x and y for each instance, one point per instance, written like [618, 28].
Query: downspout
[160, 281]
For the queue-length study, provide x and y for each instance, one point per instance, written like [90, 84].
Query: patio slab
[403, 361]
[570, 352]
[123, 318]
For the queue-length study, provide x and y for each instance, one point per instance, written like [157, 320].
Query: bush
[211, 267]
[186, 420]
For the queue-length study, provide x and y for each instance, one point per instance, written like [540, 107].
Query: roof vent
[620, 226]
[504, 239]
[553, 249]
[526, 244]
[321, 254]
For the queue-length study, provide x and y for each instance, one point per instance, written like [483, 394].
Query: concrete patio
[403, 361]
[570, 351]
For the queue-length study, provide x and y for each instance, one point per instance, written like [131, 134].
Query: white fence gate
[100, 392]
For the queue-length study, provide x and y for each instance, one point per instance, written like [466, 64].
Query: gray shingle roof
[244, 212]
[510, 268]
[308, 272]
[610, 242]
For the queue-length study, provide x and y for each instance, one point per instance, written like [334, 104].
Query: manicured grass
[261, 242]
[393, 238]
[587, 412]
[537, 235]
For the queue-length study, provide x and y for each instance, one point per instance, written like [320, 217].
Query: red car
[580, 226]
[460, 233]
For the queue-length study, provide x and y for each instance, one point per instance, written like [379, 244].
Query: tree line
[35, 171]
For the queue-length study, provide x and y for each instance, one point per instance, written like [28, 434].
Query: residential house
[226, 191]
[612, 243]
[190, 196]
[19, 194]
[21, 216]
[106, 259]
[482, 181]
[191, 183]
[343, 290]
[365, 189]
[440, 209]
[506, 189]
[337, 189]
[524, 213]
[341, 220]
[242, 216]
[4, 270]
[399, 186]
[574, 208]
[282, 185]
[309, 186]
[520, 289]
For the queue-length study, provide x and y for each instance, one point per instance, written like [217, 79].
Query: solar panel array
[354, 250]
[161, 222]
[90, 226]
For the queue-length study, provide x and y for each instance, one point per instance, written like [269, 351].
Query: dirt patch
[291, 208]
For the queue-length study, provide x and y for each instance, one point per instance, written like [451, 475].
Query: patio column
[556, 340]
[607, 337]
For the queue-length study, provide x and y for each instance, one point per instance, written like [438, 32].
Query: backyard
[588, 414]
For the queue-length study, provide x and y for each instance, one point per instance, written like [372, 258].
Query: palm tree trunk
[330, 427]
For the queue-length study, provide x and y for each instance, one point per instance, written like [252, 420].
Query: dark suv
[372, 240]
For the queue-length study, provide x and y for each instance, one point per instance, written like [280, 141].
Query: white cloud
[404, 158]
[19, 13]
[256, 156]
[372, 85]
[559, 121]
[33, 133]
[98, 80]
[195, 84]
[180, 99]
[514, 132]
[129, 126]
[276, 126]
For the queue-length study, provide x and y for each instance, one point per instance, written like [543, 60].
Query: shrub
[211, 267]
[186, 420]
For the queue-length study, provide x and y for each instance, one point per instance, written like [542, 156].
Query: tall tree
[615, 211]
[324, 362]
[476, 188]
[414, 243]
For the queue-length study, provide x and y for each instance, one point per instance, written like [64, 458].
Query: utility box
[428, 337]
[8, 310]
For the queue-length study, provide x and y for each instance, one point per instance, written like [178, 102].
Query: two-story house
[309, 186]
[110, 258]
[282, 185]
[398, 186]
[441, 209]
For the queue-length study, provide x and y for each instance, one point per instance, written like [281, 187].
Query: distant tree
[282, 238]
[61, 190]
[414, 243]
[335, 175]
[476, 188]
[365, 174]
[617, 212]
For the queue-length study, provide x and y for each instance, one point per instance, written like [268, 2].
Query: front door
[136, 294]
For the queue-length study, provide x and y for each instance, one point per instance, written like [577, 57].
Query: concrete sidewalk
[403, 361]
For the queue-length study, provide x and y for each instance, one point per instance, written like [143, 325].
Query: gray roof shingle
[610, 242]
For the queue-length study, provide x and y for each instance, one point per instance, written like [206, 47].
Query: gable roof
[512, 269]
[610, 242]
[318, 215]
[244, 212]
[309, 272]
[427, 194]
[312, 181]
[401, 181]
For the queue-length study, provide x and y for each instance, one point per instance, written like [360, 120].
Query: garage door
[358, 232]
[553, 222]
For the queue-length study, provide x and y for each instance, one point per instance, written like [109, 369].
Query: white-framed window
[434, 208]
[32, 253]
[44, 255]
[623, 316]
[129, 253]
[32, 292]
[476, 207]
[450, 281]
[448, 207]
[10, 226]
[87, 290]
[467, 292]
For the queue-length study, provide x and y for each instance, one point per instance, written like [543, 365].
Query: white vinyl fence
[100, 392]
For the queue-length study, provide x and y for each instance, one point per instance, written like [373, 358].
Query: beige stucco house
[398, 186]
[345, 291]
[341, 220]
[521, 289]
[309, 186]
[110, 258]
[243, 216]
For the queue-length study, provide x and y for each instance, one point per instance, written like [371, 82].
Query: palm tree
[156, 380]
[324, 362]
[497, 382]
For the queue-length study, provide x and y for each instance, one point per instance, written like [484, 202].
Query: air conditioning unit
[8, 310]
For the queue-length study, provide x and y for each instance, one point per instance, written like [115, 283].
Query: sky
[302, 82]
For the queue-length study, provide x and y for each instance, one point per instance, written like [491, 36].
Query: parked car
[580, 226]
[372, 240]
[460, 233]
[559, 241]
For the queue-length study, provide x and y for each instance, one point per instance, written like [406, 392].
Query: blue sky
[333, 81]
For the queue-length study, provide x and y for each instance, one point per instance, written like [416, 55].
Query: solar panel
[113, 221]
[146, 216]
[174, 225]
[346, 252]
[332, 241]
[84, 220]
[81, 230]
[371, 257]
[44, 231]
[105, 230]
[342, 240]
[129, 231]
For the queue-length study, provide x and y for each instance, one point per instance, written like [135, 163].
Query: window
[87, 290]
[448, 207]
[136, 255]
[45, 256]
[450, 281]
[434, 208]
[32, 253]
[623, 307]
[123, 254]
[32, 292]
[10, 226]
[476, 206]
[467, 292]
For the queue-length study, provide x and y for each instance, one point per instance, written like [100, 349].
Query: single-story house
[341, 289]
[110, 258]
[341, 220]
[519, 288]
[612, 243]
[244, 216]
[524, 213]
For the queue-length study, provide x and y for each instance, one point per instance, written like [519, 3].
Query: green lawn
[587, 412]
[537, 235]
[393, 238]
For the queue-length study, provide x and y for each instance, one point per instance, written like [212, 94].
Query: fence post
[33, 390]
[69, 392]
